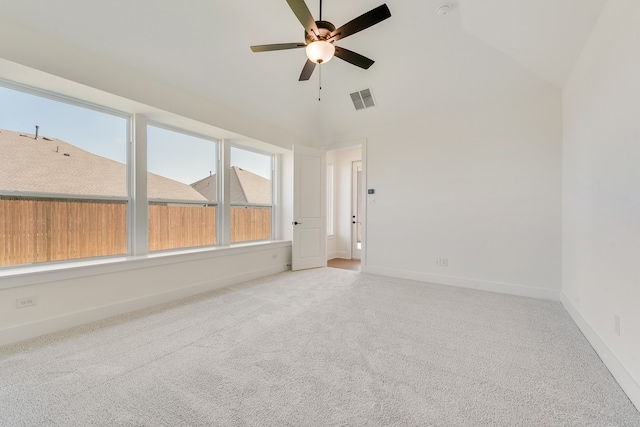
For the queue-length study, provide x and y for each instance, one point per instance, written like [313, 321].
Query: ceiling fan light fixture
[320, 51]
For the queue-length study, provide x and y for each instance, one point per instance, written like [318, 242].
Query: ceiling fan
[320, 35]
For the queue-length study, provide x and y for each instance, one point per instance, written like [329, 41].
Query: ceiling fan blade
[353, 58]
[278, 46]
[362, 22]
[307, 71]
[300, 9]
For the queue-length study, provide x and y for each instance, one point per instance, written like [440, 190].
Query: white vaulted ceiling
[425, 64]
[543, 35]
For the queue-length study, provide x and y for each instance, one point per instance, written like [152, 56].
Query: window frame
[217, 204]
[227, 146]
[128, 199]
[138, 117]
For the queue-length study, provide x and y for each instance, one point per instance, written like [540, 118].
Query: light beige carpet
[318, 348]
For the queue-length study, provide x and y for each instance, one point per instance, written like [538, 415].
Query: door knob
[296, 223]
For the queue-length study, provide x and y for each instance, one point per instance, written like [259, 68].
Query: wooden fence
[173, 227]
[39, 230]
[250, 223]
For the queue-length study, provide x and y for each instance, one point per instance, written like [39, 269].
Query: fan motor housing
[325, 28]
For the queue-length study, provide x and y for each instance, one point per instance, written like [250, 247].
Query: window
[63, 179]
[250, 187]
[182, 189]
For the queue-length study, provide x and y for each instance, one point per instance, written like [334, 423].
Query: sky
[171, 154]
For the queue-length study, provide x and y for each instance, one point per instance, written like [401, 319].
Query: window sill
[34, 274]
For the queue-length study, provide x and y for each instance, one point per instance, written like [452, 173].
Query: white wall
[480, 187]
[601, 174]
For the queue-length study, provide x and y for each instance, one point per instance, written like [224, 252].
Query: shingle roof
[255, 189]
[207, 187]
[54, 166]
[245, 187]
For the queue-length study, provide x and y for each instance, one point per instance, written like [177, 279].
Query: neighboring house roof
[207, 187]
[54, 166]
[245, 187]
[255, 189]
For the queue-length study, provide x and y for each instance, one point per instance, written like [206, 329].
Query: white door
[309, 247]
[356, 209]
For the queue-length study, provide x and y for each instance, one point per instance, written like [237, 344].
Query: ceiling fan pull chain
[320, 82]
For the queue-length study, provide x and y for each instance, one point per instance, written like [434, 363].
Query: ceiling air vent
[362, 99]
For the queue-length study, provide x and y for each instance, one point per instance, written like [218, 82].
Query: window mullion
[138, 236]
[224, 194]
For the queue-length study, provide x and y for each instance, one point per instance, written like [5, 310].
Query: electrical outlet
[445, 262]
[437, 261]
[26, 302]
[616, 324]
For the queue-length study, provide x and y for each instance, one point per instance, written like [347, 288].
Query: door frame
[362, 144]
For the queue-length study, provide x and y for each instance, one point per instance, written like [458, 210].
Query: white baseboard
[617, 369]
[463, 282]
[42, 327]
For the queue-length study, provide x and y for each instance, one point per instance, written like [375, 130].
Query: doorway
[356, 209]
[346, 213]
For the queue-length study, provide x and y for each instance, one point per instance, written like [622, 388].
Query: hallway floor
[345, 264]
